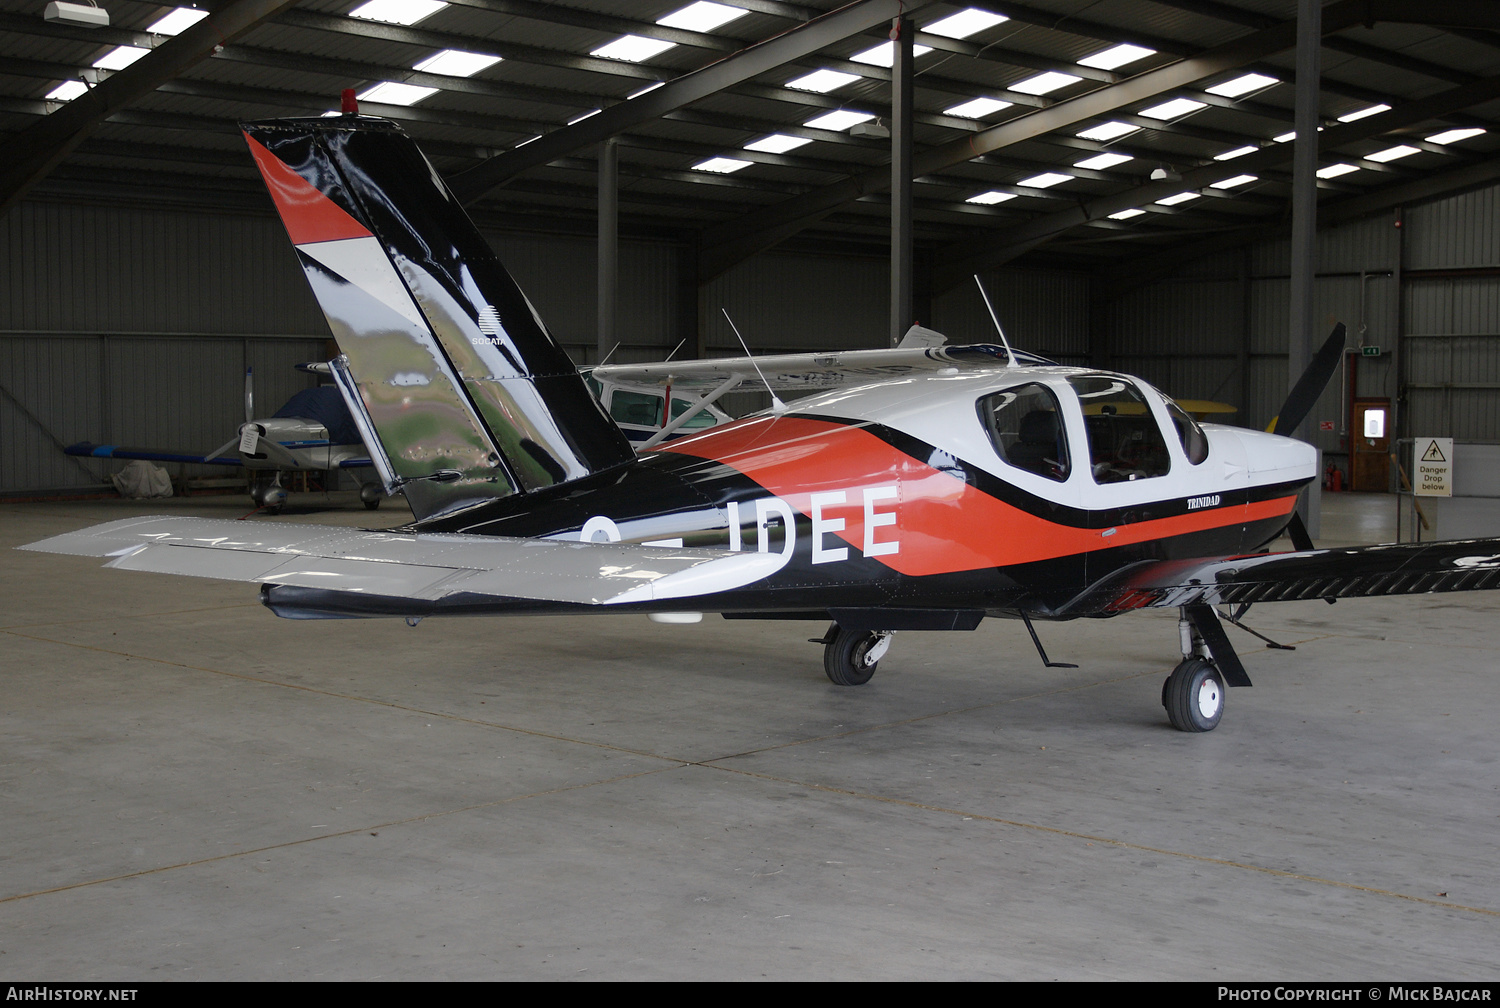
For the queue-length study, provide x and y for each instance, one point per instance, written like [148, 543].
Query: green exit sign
[1370, 351]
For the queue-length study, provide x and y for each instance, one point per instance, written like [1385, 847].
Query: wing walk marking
[945, 524]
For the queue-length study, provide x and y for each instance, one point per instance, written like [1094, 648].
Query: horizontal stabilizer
[418, 567]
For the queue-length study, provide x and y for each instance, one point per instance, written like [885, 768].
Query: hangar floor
[194, 789]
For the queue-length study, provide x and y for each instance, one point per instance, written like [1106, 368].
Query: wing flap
[415, 566]
[1366, 571]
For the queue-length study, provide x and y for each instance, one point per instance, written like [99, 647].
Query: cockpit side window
[1194, 441]
[1125, 442]
[1026, 428]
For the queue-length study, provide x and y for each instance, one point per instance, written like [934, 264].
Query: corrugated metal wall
[1045, 313]
[126, 324]
[133, 326]
[1218, 331]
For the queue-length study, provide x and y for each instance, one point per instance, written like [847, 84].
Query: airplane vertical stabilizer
[470, 396]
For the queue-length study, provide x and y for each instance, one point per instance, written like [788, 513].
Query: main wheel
[1194, 696]
[851, 656]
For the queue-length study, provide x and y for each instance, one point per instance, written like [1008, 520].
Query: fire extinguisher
[1334, 479]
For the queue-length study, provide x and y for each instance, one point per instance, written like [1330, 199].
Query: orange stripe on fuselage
[943, 524]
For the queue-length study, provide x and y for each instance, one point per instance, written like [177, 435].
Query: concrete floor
[194, 789]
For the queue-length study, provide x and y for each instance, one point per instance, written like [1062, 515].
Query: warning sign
[1433, 475]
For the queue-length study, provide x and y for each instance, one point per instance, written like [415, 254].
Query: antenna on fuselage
[777, 406]
[995, 319]
[676, 348]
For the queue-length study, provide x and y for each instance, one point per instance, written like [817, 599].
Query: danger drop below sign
[1432, 474]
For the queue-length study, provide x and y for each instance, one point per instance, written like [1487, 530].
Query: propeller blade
[249, 394]
[1304, 395]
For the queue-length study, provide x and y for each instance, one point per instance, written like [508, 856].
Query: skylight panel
[648, 88]
[885, 54]
[1045, 180]
[1230, 155]
[702, 16]
[67, 90]
[1285, 137]
[1242, 85]
[822, 81]
[1108, 131]
[1181, 197]
[1099, 162]
[180, 20]
[1126, 214]
[581, 118]
[1116, 56]
[393, 93]
[965, 23]
[1042, 83]
[777, 143]
[1453, 135]
[838, 121]
[632, 48]
[721, 165]
[990, 198]
[1335, 170]
[457, 63]
[1392, 153]
[977, 108]
[401, 12]
[120, 57]
[1230, 183]
[1362, 113]
[1176, 108]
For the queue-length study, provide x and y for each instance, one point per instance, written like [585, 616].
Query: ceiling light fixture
[85, 15]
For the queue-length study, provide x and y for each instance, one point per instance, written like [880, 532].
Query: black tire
[371, 505]
[846, 657]
[1194, 696]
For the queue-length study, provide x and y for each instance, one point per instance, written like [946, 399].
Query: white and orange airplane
[963, 484]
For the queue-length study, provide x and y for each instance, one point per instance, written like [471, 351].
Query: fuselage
[995, 488]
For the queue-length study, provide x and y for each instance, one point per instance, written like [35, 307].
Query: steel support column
[1304, 250]
[901, 154]
[609, 245]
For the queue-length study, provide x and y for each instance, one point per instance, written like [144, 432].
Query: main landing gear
[1194, 695]
[850, 656]
[369, 495]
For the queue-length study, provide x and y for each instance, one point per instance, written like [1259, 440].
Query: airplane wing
[88, 449]
[423, 568]
[225, 456]
[1395, 569]
[810, 371]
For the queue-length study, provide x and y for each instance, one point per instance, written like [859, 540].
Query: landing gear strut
[850, 656]
[1194, 693]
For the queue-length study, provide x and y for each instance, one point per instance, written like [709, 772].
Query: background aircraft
[312, 432]
[928, 500]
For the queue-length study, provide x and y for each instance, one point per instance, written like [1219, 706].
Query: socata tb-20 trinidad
[966, 485]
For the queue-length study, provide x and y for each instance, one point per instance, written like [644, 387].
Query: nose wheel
[850, 656]
[1194, 696]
